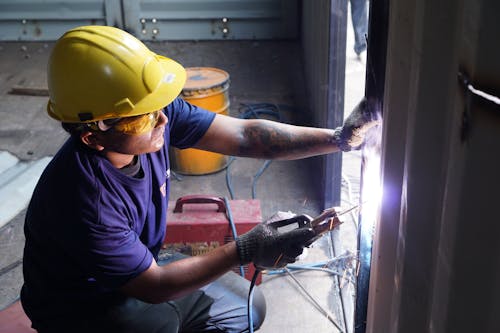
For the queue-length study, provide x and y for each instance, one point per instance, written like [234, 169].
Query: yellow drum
[207, 88]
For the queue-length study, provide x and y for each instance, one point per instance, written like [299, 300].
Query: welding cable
[303, 268]
[250, 300]
[229, 184]
[242, 271]
[257, 176]
[258, 109]
[250, 111]
[338, 280]
[253, 111]
[229, 215]
[177, 176]
[315, 266]
[10, 267]
[325, 312]
[300, 268]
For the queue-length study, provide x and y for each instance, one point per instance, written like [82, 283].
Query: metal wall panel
[211, 20]
[36, 20]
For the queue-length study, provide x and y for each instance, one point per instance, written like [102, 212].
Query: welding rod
[332, 220]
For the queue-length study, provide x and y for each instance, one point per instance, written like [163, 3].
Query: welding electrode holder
[274, 244]
[326, 221]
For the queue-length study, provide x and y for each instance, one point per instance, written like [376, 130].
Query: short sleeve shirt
[90, 228]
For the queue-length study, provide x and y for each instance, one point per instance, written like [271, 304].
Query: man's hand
[352, 134]
[267, 248]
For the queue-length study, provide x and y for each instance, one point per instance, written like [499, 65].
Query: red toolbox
[198, 223]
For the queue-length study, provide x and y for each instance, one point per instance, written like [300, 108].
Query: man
[96, 221]
[359, 18]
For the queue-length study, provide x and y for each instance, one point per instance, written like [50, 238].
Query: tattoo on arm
[273, 140]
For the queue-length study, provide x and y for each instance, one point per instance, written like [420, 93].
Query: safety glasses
[135, 125]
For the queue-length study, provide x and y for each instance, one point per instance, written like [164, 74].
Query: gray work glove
[267, 248]
[352, 134]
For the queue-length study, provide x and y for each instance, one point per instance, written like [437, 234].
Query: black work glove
[352, 134]
[267, 248]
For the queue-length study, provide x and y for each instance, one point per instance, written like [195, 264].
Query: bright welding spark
[371, 191]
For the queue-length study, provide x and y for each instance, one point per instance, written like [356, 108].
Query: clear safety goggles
[135, 125]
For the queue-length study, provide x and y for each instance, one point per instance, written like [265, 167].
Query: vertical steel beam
[335, 97]
[131, 16]
[113, 13]
[374, 93]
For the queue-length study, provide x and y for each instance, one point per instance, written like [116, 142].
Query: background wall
[45, 20]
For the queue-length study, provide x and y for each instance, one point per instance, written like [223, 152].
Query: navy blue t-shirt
[90, 228]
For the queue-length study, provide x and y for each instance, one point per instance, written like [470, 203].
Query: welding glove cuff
[352, 133]
[268, 249]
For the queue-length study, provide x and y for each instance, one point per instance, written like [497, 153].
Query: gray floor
[260, 72]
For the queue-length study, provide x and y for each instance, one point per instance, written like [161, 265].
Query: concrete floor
[261, 71]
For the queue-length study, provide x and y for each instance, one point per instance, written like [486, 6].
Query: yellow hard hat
[100, 72]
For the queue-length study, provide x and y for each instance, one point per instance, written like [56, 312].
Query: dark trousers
[220, 306]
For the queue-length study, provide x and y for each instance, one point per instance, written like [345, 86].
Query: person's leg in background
[359, 15]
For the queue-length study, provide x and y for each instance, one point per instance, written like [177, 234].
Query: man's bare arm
[266, 139]
[162, 283]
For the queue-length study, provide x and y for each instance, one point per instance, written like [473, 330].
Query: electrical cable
[229, 184]
[249, 111]
[250, 300]
[342, 305]
[177, 176]
[354, 219]
[256, 178]
[253, 111]
[318, 306]
[10, 267]
[318, 266]
[319, 269]
[229, 215]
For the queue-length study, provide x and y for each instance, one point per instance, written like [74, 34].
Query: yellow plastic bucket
[207, 88]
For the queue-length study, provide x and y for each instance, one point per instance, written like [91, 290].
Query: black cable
[250, 300]
[228, 178]
[10, 267]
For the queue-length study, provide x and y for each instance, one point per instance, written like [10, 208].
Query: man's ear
[91, 140]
